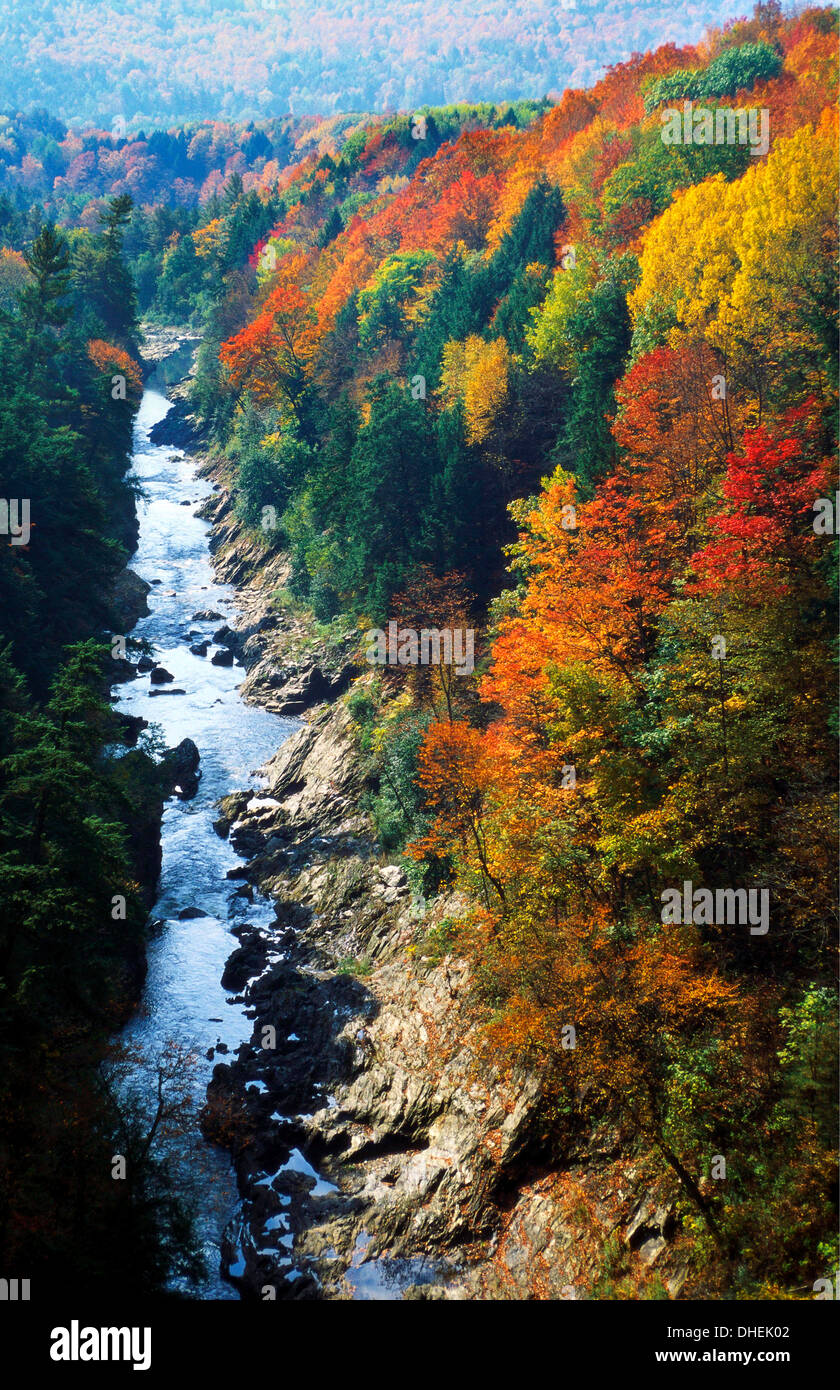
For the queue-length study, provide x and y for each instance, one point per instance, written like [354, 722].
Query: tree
[764, 543]
[769, 235]
[270, 357]
[439, 604]
[456, 778]
[61, 855]
[48, 263]
[385, 302]
[379, 523]
[475, 373]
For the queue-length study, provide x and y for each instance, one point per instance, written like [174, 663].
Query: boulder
[128, 600]
[650, 1226]
[246, 962]
[122, 671]
[181, 769]
[160, 676]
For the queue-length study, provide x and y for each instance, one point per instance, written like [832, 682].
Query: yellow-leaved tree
[749, 264]
[475, 373]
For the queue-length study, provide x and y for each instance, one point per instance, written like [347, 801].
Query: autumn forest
[525, 368]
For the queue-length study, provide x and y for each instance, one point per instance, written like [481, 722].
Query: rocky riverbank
[379, 1153]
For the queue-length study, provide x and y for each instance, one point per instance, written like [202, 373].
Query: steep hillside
[603, 355]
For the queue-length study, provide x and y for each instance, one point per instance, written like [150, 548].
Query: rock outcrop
[376, 1145]
[179, 428]
[128, 602]
[180, 770]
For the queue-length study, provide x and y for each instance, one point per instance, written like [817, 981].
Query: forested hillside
[69, 168]
[607, 363]
[156, 63]
[191, 179]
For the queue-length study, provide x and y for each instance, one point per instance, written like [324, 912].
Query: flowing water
[183, 1000]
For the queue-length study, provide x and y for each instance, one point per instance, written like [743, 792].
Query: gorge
[365, 1165]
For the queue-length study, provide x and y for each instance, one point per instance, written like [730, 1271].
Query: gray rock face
[163, 342]
[650, 1227]
[397, 1136]
[180, 427]
[247, 841]
[132, 726]
[249, 960]
[120, 671]
[293, 690]
[128, 600]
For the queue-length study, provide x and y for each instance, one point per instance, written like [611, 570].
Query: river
[183, 999]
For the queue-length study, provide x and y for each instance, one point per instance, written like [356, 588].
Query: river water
[183, 1000]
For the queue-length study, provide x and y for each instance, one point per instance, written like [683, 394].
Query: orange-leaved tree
[272, 354]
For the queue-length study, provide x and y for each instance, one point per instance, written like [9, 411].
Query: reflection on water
[385, 1278]
[183, 998]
